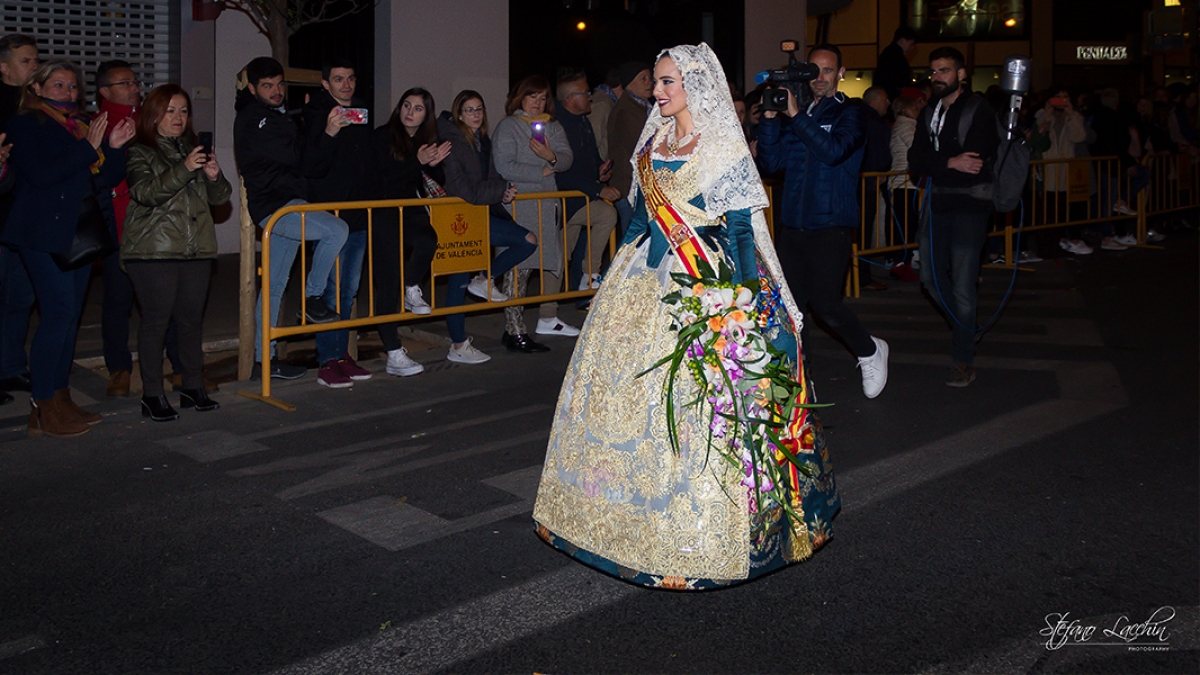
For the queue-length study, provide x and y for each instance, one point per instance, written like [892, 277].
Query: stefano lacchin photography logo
[1147, 635]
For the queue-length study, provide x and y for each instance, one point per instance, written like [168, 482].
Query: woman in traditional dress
[617, 493]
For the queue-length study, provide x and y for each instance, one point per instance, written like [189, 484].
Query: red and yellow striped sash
[682, 237]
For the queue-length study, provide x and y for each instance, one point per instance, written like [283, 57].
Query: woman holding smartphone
[170, 243]
[469, 176]
[529, 148]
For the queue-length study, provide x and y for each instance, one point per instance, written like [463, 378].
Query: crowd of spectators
[136, 166]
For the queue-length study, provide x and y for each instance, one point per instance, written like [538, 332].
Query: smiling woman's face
[60, 87]
[668, 88]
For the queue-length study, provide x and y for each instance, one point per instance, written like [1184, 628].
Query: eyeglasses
[473, 111]
[124, 83]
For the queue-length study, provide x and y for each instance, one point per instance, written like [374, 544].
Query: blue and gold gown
[613, 493]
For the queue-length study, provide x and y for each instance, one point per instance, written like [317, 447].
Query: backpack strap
[968, 116]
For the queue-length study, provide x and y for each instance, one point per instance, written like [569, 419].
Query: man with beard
[953, 229]
[275, 164]
[820, 150]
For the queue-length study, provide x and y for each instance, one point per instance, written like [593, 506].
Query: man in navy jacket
[820, 151]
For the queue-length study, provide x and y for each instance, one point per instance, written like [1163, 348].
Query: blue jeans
[501, 232]
[332, 344]
[327, 230]
[60, 302]
[950, 248]
[16, 302]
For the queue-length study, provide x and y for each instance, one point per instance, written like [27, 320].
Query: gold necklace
[674, 143]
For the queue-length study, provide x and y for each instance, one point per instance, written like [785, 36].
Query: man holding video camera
[820, 150]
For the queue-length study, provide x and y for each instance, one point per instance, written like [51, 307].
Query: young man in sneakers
[349, 178]
[820, 149]
[275, 165]
[952, 237]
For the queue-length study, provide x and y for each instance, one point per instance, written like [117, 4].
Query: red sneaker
[330, 375]
[351, 369]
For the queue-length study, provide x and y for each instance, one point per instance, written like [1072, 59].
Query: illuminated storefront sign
[1092, 53]
[1101, 53]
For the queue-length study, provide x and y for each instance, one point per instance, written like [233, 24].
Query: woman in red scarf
[65, 170]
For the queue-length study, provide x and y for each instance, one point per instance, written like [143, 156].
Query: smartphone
[539, 131]
[1058, 102]
[357, 115]
[204, 139]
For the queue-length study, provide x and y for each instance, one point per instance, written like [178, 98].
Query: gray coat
[515, 162]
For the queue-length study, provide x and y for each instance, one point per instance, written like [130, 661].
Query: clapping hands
[432, 154]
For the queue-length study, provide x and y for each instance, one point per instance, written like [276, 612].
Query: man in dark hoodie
[18, 59]
[275, 165]
[349, 179]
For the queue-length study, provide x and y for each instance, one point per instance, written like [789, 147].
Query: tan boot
[47, 418]
[118, 383]
[62, 398]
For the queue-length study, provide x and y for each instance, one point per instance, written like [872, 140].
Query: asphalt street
[1045, 519]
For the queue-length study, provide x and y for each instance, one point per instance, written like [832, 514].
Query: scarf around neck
[71, 118]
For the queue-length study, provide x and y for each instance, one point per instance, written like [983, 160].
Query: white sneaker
[555, 326]
[482, 287]
[467, 353]
[1151, 235]
[1111, 244]
[1076, 246]
[874, 369]
[414, 301]
[1027, 257]
[401, 365]
[1127, 240]
[589, 281]
[1123, 209]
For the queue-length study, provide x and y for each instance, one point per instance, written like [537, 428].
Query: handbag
[92, 240]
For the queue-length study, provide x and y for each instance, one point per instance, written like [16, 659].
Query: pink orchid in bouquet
[746, 389]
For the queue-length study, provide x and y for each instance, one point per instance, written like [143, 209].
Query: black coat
[351, 174]
[273, 158]
[981, 138]
[398, 178]
[584, 174]
[53, 174]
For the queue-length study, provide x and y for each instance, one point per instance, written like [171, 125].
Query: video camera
[788, 79]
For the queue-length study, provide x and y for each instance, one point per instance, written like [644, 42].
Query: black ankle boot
[158, 409]
[198, 399]
[521, 342]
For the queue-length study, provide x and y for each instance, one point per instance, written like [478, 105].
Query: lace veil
[726, 176]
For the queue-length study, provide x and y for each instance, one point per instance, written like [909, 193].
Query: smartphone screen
[539, 131]
[357, 115]
[204, 139]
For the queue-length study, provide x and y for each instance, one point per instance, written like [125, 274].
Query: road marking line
[375, 412]
[19, 646]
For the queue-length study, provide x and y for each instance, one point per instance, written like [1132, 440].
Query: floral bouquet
[746, 389]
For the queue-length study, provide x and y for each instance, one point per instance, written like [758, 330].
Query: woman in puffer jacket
[170, 242]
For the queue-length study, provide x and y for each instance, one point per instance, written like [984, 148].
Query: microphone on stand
[1014, 79]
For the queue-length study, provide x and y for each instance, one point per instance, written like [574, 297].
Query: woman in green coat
[170, 242]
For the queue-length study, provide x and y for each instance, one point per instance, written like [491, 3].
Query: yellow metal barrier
[1061, 193]
[471, 225]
